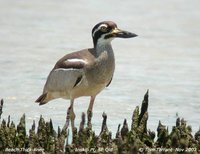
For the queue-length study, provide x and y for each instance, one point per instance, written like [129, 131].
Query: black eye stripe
[104, 29]
[97, 32]
[108, 36]
[96, 36]
[95, 28]
[98, 28]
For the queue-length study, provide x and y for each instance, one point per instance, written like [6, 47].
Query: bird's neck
[103, 47]
[104, 67]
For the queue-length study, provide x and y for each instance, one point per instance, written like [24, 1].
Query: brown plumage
[86, 72]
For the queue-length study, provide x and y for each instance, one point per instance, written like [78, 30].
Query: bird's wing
[66, 74]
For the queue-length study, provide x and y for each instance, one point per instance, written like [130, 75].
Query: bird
[86, 72]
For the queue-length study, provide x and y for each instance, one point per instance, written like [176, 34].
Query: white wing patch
[76, 60]
[65, 69]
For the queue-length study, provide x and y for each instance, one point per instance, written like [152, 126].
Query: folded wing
[65, 75]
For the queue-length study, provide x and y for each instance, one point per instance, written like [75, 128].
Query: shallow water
[165, 58]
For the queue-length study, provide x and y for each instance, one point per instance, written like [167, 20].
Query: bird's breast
[102, 70]
[96, 75]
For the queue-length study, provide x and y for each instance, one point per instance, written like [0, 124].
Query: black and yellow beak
[122, 33]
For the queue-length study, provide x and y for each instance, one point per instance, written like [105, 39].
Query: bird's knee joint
[72, 115]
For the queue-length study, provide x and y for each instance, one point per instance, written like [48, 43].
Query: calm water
[165, 58]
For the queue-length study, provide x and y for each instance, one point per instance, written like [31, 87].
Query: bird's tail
[41, 99]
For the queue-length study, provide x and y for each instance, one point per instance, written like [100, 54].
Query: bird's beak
[122, 33]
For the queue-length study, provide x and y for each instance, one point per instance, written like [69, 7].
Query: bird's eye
[103, 28]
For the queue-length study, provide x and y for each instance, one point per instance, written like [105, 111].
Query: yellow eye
[103, 28]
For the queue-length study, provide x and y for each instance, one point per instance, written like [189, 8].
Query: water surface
[165, 58]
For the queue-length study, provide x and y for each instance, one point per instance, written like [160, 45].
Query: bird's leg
[89, 111]
[72, 114]
[68, 117]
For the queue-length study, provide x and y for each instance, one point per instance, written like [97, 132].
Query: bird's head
[104, 32]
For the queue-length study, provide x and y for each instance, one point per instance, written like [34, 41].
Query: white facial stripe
[99, 28]
[103, 25]
[76, 60]
[102, 40]
[103, 36]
